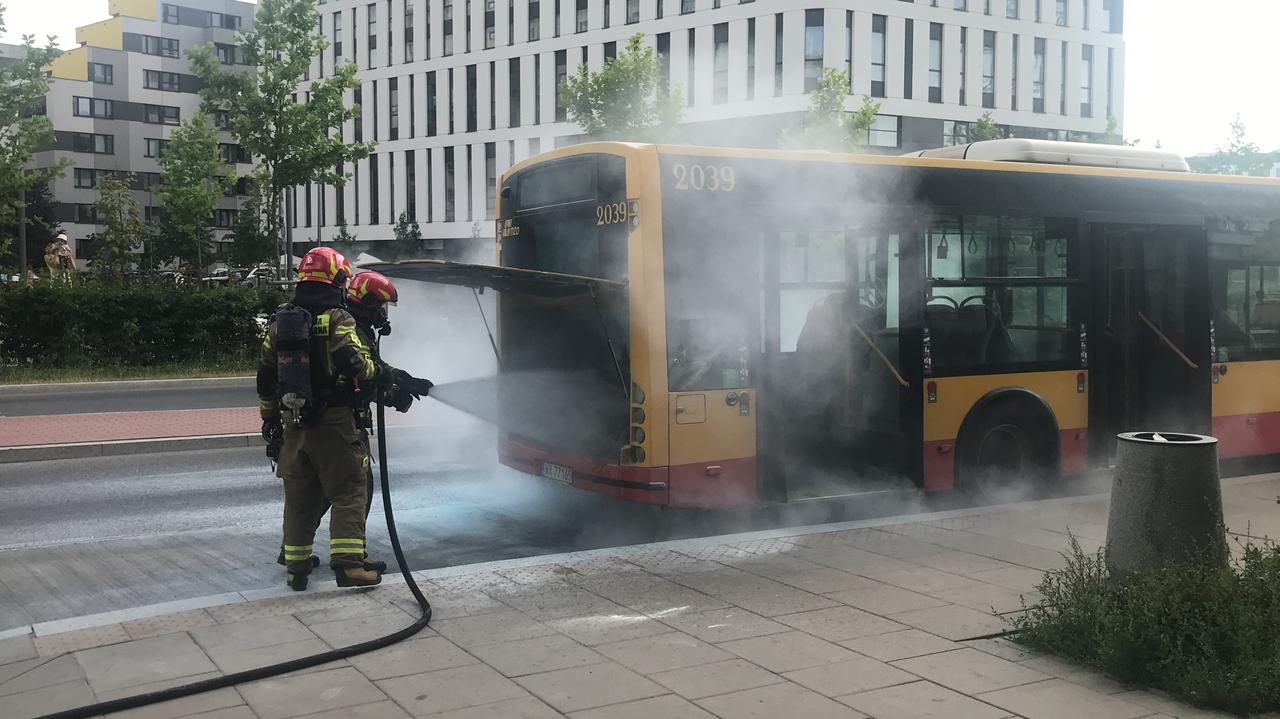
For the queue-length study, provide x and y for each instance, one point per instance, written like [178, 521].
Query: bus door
[1150, 332]
[832, 370]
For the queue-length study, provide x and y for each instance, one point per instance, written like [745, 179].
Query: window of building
[555, 25]
[848, 47]
[170, 14]
[606, 13]
[408, 30]
[960, 4]
[148, 180]
[431, 104]
[935, 62]
[1086, 81]
[224, 20]
[511, 22]
[657, 9]
[720, 73]
[162, 46]
[373, 189]
[337, 38]
[751, 58]
[471, 98]
[448, 27]
[513, 92]
[1060, 16]
[884, 131]
[493, 96]
[535, 21]
[1011, 9]
[964, 64]
[777, 54]
[155, 147]
[413, 106]
[686, 6]
[375, 107]
[954, 132]
[87, 214]
[562, 72]
[232, 153]
[223, 218]
[393, 100]
[813, 47]
[372, 11]
[1111, 69]
[610, 51]
[95, 144]
[1062, 82]
[101, 73]
[92, 107]
[908, 58]
[490, 23]
[1013, 73]
[490, 180]
[691, 65]
[633, 12]
[159, 80]
[450, 201]
[878, 54]
[662, 44]
[1113, 16]
[1038, 77]
[228, 54]
[580, 15]
[537, 90]
[86, 178]
[988, 68]
[466, 26]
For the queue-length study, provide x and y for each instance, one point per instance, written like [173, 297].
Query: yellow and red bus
[713, 327]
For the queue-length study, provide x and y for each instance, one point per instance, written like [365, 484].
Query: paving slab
[724, 677]
[970, 671]
[596, 629]
[591, 686]
[448, 689]
[856, 675]
[199, 704]
[145, 661]
[283, 697]
[840, 623]
[723, 625]
[489, 628]
[1060, 699]
[536, 654]
[662, 652]
[788, 651]
[17, 649]
[923, 700]
[777, 700]
[43, 673]
[413, 656]
[522, 708]
[666, 707]
[953, 621]
[880, 598]
[900, 645]
[38, 702]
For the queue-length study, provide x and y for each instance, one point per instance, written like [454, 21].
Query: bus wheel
[1005, 453]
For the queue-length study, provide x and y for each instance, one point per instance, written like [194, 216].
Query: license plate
[557, 472]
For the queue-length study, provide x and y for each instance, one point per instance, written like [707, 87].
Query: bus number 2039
[614, 213]
[709, 178]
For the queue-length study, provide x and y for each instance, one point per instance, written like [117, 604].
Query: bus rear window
[572, 218]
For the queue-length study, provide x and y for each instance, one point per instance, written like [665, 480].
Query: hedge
[128, 324]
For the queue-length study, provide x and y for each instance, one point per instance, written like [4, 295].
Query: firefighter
[367, 298]
[312, 360]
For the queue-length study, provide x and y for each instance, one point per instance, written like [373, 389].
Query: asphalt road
[130, 396]
[91, 535]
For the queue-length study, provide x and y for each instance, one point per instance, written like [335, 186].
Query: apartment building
[115, 99]
[457, 91]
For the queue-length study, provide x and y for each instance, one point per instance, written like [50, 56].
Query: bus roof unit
[1052, 152]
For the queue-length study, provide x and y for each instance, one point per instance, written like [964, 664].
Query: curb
[117, 448]
[132, 385]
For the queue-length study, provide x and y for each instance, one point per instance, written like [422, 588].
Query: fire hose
[293, 665]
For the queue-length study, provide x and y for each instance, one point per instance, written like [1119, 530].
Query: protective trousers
[327, 458]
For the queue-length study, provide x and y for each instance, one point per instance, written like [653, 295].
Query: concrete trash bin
[1166, 502]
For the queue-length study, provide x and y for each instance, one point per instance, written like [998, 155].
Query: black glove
[273, 433]
[419, 388]
[401, 399]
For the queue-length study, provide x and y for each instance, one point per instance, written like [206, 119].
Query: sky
[1189, 70]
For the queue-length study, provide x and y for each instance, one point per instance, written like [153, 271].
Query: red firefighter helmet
[371, 289]
[324, 264]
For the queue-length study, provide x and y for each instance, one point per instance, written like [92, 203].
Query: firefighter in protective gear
[324, 455]
[368, 296]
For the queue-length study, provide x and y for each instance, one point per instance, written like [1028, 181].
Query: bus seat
[1266, 315]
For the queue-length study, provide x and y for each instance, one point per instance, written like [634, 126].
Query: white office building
[456, 91]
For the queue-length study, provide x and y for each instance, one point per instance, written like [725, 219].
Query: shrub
[1207, 635]
[94, 323]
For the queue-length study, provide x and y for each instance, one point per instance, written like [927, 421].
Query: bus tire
[1008, 447]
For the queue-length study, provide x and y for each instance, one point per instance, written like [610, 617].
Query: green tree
[195, 178]
[24, 128]
[1240, 156]
[294, 143]
[122, 228]
[250, 245]
[828, 126]
[984, 128]
[42, 227]
[624, 100]
[408, 237]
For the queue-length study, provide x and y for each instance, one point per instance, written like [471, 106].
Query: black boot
[297, 582]
[374, 565]
[352, 576]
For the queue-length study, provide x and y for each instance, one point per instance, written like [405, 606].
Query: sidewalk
[879, 618]
[115, 426]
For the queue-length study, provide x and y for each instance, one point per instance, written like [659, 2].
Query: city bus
[717, 327]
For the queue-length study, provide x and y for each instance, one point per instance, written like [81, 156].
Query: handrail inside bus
[1168, 342]
[883, 358]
